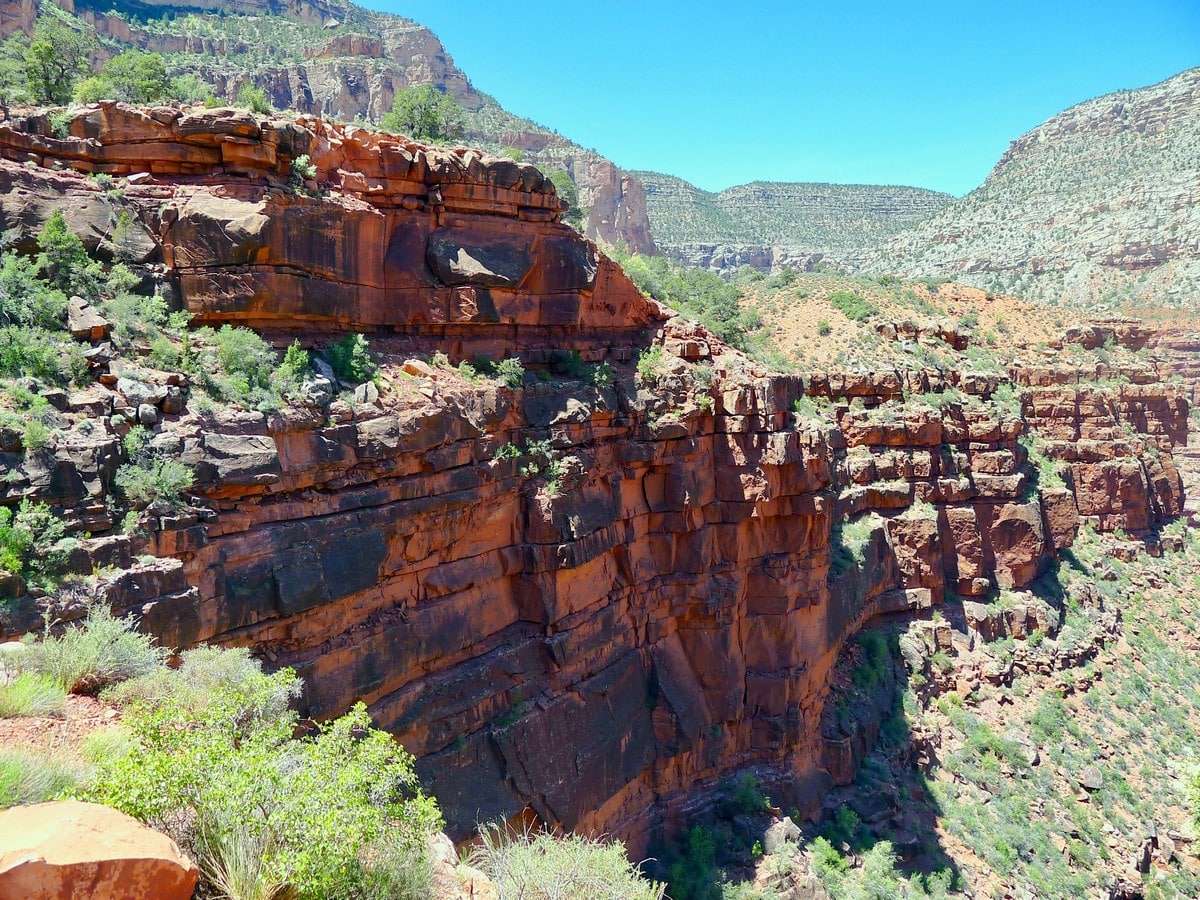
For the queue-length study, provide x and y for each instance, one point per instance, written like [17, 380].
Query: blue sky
[861, 91]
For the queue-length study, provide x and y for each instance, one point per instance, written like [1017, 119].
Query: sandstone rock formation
[67, 850]
[346, 62]
[589, 648]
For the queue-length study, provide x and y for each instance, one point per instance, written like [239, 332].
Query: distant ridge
[772, 224]
[1098, 208]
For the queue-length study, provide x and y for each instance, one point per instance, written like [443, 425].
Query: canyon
[588, 598]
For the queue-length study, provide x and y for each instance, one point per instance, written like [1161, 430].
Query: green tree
[56, 58]
[424, 113]
[565, 187]
[254, 99]
[13, 84]
[64, 261]
[133, 77]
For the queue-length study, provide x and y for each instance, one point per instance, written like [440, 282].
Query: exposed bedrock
[597, 640]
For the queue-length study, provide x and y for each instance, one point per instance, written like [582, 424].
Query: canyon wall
[588, 596]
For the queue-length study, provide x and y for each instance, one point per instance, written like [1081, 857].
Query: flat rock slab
[67, 850]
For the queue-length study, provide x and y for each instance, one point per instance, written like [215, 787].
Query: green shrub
[89, 657]
[64, 262]
[41, 355]
[26, 299]
[424, 113]
[824, 328]
[650, 364]
[31, 694]
[848, 544]
[33, 542]
[151, 475]
[853, 306]
[510, 372]
[350, 359]
[253, 99]
[540, 866]
[315, 812]
[27, 777]
[303, 167]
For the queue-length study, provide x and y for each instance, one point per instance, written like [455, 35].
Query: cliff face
[339, 60]
[588, 597]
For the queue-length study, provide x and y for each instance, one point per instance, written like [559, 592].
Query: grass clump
[27, 777]
[541, 866]
[102, 651]
[31, 694]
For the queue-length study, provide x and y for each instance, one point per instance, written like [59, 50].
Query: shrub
[853, 306]
[26, 299]
[540, 866]
[248, 799]
[253, 99]
[87, 658]
[848, 544]
[151, 475]
[41, 355]
[824, 328]
[33, 542]
[303, 167]
[31, 694]
[424, 113]
[649, 364]
[31, 778]
[568, 191]
[350, 359]
[510, 372]
[63, 260]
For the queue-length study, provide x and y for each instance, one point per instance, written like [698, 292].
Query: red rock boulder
[69, 850]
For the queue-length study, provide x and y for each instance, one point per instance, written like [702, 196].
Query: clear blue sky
[866, 91]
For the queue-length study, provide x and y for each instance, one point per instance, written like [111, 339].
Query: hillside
[769, 225]
[1097, 208]
[341, 61]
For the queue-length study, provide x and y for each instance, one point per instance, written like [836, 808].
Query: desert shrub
[853, 306]
[33, 542]
[350, 358]
[31, 694]
[25, 298]
[64, 262]
[567, 190]
[27, 777]
[235, 366]
[650, 364]
[253, 99]
[248, 799]
[89, 657]
[151, 475]
[510, 372]
[304, 167]
[824, 328]
[135, 318]
[41, 355]
[540, 866]
[848, 544]
[425, 113]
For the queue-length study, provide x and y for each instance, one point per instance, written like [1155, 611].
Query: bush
[350, 359]
[31, 778]
[540, 866]
[132, 77]
[253, 99]
[41, 355]
[247, 799]
[27, 300]
[151, 475]
[824, 328]
[31, 694]
[33, 542]
[87, 658]
[650, 364]
[64, 261]
[424, 113]
[853, 306]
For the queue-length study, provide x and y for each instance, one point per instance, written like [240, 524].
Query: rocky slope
[769, 226]
[335, 59]
[587, 597]
[1095, 208]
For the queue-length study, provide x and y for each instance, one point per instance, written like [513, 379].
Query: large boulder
[69, 850]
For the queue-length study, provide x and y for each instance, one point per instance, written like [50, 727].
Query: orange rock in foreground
[69, 850]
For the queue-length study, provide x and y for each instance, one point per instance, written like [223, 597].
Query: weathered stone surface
[68, 850]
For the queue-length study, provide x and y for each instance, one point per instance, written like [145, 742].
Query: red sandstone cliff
[597, 650]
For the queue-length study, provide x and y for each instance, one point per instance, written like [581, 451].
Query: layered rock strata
[583, 598]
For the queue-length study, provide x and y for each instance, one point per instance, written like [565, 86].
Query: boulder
[69, 850]
[779, 833]
[84, 322]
